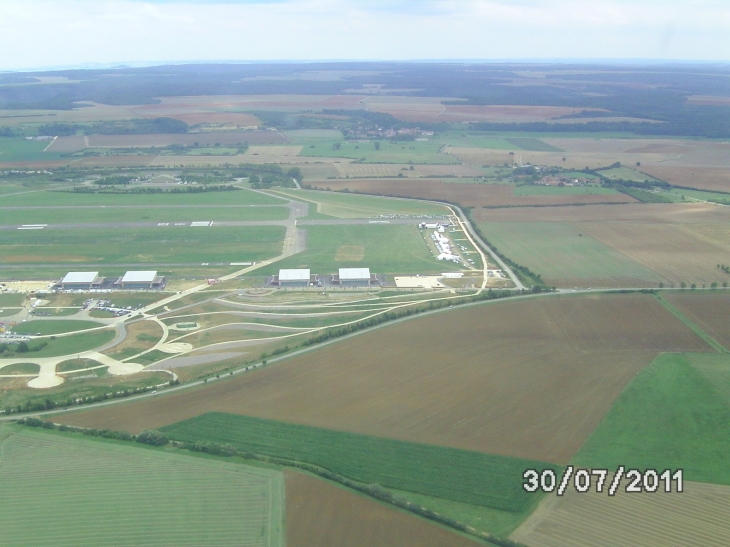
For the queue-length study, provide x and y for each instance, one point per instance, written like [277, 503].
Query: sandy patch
[175, 347]
[419, 282]
[349, 253]
[120, 369]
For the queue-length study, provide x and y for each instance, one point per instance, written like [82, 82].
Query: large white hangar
[141, 280]
[301, 277]
[354, 277]
[81, 281]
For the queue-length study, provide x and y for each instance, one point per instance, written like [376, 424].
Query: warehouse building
[140, 280]
[295, 278]
[81, 281]
[354, 277]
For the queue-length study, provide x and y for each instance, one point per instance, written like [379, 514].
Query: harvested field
[530, 379]
[468, 195]
[225, 119]
[364, 170]
[675, 252]
[647, 213]
[715, 179]
[699, 517]
[710, 311]
[189, 161]
[274, 150]
[320, 514]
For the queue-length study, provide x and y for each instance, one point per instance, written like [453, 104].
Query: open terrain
[529, 379]
[710, 311]
[121, 494]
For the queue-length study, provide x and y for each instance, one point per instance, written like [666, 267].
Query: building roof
[80, 277]
[349, 274]
[139, 277]
[294, 275]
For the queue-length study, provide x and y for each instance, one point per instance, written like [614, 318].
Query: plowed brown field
[716, 179]
[468, 195]
[528, 378]
[711, 311]
[319, 514]
[698, 517]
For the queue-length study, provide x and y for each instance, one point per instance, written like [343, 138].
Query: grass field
[106, 214]
[564, 257]
[20, 368]
[233, 197]
[715, 197]
[530, 379]
[389, 152]
[532, 144]
[358, 206]
[380, 247]
[534, 190]
[319, 513]
[12, 299]
[637, 433]
[54, 326]
[627, 173]
[66, 345]
[122, 495]
[459, 475]
[167, 244]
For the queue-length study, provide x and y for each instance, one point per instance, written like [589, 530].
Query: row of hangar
[132, 280]
[346, 277]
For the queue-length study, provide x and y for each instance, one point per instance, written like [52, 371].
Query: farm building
[81, 281]
[295, 278]
[141, 280]
[354, 277]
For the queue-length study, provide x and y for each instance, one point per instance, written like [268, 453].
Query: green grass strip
[714, 344]
[459, 475]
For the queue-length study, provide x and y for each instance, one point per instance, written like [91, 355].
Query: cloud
[44, 33]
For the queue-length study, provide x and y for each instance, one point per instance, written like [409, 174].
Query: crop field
[122, 495]
[672, 390]
[532, 144]
[468, 195]
[710, 311]
[142, 245]
[55, 326]
[382, 248]
[77, 199]
[565, 256]
[415, 170]
[674, 252]
[18, 150]
[529, 379]
[357, 206]
[459, 475]
[535, 190]
[382, 152]
[698, 517]
[130, 214]
[274, 150]
[319, 513]
[715, 197]
[713, 179]
[627, 173]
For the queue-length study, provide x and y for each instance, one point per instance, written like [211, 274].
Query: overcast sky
[53, 33]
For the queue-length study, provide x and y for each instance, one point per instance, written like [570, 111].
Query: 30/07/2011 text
[586, 480]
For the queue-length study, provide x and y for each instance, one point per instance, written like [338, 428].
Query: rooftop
[294, 275]
[354, 273]
[139, 277]
[80, 277]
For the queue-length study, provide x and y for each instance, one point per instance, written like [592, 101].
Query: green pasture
[579, 175]
[12, 299]
[65, 490]
[626, 173]
[76, 364]
[535, 190]
[383, 248]
[458, 475]
[341, 205]
[58, 198]
[716, 197]
[64, 345]
[389, 152]
[103, 215]
[20, 368]
[674, 414]
[18, 149]
[54, 326]
[558, 252]
[169, 244]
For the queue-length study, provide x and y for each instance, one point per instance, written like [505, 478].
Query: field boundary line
[694, 327]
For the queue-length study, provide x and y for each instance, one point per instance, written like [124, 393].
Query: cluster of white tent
[443, 246]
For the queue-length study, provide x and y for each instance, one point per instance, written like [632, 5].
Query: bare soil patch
[320, 514]
[700, 516]
[468, 195]
[529, 378]
[709, 310]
